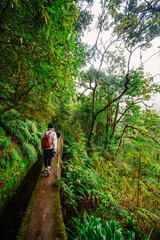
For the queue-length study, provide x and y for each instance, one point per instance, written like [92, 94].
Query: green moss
[59, 227]
[25, 221]
[11, 183]
[58, 224]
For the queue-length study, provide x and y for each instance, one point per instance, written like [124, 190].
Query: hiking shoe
[45, 170]
[48, 172]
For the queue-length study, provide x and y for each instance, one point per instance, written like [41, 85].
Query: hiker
[49, 145]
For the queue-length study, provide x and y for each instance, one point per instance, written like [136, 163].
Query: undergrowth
[99, 193]
[19, 148]
[95, 228]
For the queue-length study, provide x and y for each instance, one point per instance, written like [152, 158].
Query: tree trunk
[108, 129]
[115, 120]
[159, 173]
[93, 126]
[139, 187]
[120, 143]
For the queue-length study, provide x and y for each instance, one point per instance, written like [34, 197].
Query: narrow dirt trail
[43, 219]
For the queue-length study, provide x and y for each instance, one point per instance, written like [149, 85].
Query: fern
[146, 214]
[17, 151]
[15, 155]
[31, 151]
[25, 131]
[18, 128]
[80, 184]
[4, 142]
[32, 126]
[71, 197]
[34, 131]
[2, 131]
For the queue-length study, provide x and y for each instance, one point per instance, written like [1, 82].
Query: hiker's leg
[45, 159]
[50, 158]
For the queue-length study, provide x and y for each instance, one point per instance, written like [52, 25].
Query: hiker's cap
[50, 125]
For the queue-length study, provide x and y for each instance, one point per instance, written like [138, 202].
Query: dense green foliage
[121, 188]
[111, 171]
[39, 60]
[112, 164]
[20, 142]
[38, 54]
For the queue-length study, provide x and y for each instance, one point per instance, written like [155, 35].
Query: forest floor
[41, 220]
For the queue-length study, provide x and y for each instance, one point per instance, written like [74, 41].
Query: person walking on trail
[49, 145]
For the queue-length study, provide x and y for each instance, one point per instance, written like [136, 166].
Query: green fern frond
[35, 139]
[2, 131]
[18, 128]
[32, 126]
[145, 213]
[4, 142]
[15, 155]
[31, 151]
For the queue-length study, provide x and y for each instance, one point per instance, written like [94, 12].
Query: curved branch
[96, 43]
[117, 98]
[150, 57]
[143, 133]
[105, 52]
[130, 106]
[151, 7]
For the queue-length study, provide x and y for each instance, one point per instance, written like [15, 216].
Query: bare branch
[117, 98]
[96, 44]
[111, 43]
[143, 133]
[152, 8]
[150, 57]
[85, 91]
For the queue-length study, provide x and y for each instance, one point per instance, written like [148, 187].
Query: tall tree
[132, 30]
[38, 53]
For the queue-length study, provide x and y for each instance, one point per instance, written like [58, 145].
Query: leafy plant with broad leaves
[95, 228]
